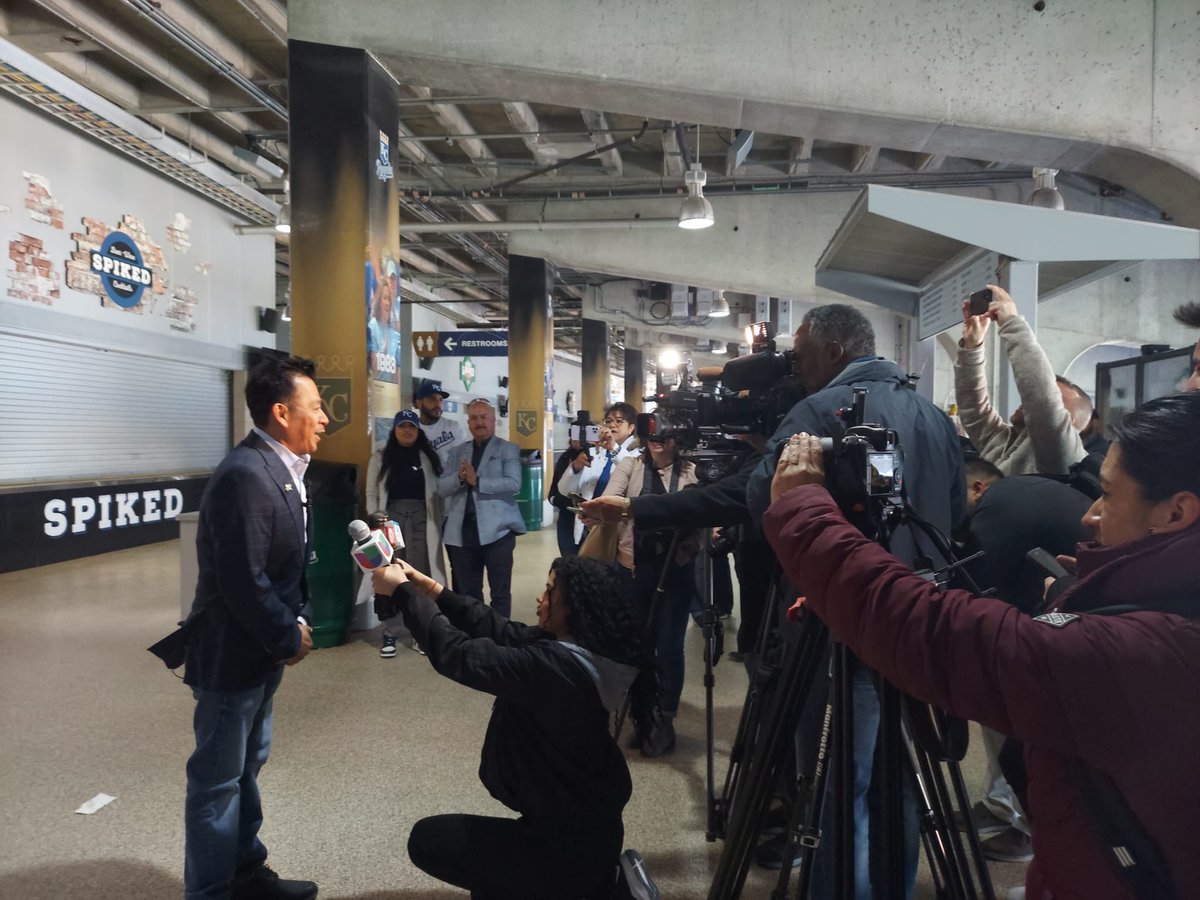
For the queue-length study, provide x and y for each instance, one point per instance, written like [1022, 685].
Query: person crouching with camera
[549, 754]
[1102, 689]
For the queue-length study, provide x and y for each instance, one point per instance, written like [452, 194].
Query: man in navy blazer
[247, 622]
[480, 482]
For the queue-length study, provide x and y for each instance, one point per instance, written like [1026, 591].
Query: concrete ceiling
[481, 149]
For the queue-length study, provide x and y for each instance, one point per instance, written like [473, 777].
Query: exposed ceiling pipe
[508, 227]
[152, 10]
[142, 56]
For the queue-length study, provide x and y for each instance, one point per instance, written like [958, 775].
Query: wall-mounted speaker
[425, 362]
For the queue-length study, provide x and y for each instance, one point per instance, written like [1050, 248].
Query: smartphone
[576, 500]
[979, 302]
[590, 433]
[1045, 561]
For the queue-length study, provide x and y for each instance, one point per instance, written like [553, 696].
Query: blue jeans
[866, 730]
[223, 811]
[565, 529]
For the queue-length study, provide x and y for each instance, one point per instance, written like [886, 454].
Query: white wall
[228, 276]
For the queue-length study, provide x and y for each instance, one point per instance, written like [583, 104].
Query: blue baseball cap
[428, 388]
[406, 416]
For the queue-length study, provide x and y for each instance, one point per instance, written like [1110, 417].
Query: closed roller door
[69, 412]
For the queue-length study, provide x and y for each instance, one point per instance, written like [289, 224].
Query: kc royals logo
[123, 276]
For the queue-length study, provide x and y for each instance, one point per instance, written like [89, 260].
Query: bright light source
[696, 211]
[720, 307]
[669, 359]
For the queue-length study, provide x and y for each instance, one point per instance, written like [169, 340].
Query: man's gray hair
[844, 324]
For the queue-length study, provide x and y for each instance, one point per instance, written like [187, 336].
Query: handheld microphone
[371, 548]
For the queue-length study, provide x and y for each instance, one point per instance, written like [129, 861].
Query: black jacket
[721, 503]
[548, 753]
[252, 550]
[1017, 514]
[933, 465]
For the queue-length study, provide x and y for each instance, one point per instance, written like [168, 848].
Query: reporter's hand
[974, 327]
[602, 509]
[420, 580]
[386, 579]
[1067, 562]
[581, 461]
[305, 643]
[801, 463]
[1003, 307]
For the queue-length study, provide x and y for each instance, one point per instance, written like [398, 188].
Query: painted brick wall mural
[33, 276]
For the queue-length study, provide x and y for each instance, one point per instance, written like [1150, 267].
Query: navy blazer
[496, 510]
[252, 549]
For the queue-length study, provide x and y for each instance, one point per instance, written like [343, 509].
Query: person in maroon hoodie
[1114, 694]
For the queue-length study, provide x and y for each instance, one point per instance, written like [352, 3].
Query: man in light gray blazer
[479, 483]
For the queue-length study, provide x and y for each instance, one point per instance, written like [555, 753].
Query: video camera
[698, 409]
[864, 468]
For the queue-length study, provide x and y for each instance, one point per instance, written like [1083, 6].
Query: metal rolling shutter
[72, 412]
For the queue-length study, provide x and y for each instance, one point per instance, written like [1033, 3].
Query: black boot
[661, 740]
[261, 883]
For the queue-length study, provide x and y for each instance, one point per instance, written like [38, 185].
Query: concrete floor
[363, 748]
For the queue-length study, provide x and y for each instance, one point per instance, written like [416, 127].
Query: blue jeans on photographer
[866, 730]
[223, 810]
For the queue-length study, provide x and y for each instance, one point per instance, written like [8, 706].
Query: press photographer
[835, 354]
[1101, 689]
[548, 754]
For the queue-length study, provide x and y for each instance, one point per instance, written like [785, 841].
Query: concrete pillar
[635, 378]
[343, 117]
[1020, 279]
[595, 368]
[531, 372]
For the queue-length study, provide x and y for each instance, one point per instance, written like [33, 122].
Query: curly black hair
[601, 618]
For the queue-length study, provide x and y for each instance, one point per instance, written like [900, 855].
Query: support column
[531, 376]
[345, 240]
[595, 368]
[635, 378]
[1020, 279]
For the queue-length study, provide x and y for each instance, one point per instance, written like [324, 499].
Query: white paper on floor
[96, 803]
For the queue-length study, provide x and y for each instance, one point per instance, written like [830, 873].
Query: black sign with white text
[45, 525]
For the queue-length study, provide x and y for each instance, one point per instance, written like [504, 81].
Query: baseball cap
[428, 388]
[406, 415]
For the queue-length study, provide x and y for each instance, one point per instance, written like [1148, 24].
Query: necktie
[602, 483]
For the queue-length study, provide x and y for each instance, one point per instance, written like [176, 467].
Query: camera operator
[548, 753]
[1102, 689]
[721, 503]
[565, 526]
[835, 353]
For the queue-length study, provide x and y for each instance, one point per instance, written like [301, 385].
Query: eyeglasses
[611, 422]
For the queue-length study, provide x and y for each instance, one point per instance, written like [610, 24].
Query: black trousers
[467, 565]
[510, 859]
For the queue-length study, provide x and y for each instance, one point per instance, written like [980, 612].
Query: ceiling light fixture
[1045, 194]
[720, 306]
[283, 218]
[696, 212]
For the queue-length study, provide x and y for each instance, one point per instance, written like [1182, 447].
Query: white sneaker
[387, 647]
[633, 870]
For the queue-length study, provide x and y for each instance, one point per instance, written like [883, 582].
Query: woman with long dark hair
[549, 754]
[402, 481]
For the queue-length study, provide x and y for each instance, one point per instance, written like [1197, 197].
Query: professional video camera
[748, 395]
[864, 468]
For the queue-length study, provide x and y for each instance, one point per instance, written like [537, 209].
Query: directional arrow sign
[472, 343]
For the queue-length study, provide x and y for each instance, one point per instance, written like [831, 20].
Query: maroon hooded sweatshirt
[1120, 692]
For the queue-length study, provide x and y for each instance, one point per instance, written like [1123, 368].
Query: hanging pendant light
[283, 218]
[696, 212]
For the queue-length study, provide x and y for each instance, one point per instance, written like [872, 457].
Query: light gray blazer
[496, 510]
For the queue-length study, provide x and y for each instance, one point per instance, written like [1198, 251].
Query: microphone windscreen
[358, 531]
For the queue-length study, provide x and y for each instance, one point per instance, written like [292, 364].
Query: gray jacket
[499, 476]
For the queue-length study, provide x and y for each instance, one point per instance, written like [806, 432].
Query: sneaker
[637, 880]
[769, 854]
[1010, 845]
[387, 649]
[985, 821]
[261, 883]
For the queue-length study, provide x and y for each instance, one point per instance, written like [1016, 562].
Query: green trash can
[333, 500]
[530, 498]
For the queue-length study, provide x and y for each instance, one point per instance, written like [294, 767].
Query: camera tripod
[765, 745]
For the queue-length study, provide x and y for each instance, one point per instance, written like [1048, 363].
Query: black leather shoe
[661, 740]
[261, 883]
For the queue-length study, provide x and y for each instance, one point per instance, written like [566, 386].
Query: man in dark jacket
[248, 620]
[1094, 696]
[835, 353]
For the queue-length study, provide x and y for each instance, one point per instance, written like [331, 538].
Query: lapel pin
[288, 486]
